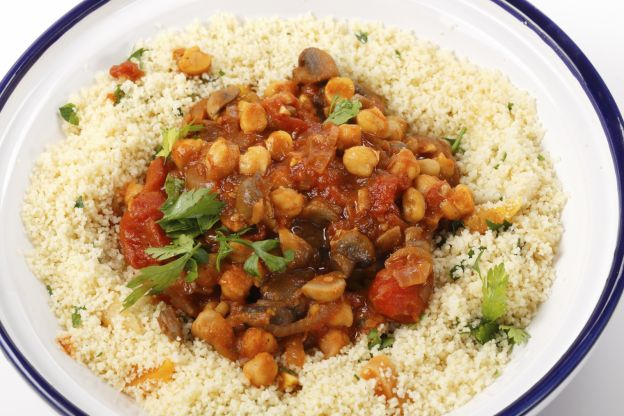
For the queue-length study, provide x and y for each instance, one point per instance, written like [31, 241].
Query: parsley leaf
[261, 249]
[504, 226]
[118, 94]
[49, 289]
[510, 106]
[342, 110]
[69, 113]
[494, 290]
[362, 36]
[172, 135]
[138, 54]
[540, 157]
[182, 244]
[517, 336]
[454, 272]
[191, 212]
[397, 53]
[456, 141]
[79, 202]
[381, 340]
[485, 331]
[76, 318]
[154, 279]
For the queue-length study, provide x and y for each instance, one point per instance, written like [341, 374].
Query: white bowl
[584, 137]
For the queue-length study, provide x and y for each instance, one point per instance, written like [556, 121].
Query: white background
[595, 26]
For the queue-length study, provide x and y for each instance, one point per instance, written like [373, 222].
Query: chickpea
[235, 284]
[192, 61]
[279, 143]
[382, 369]
[252, 116]
[396, 128]
[413, 205]
[255, 159]
[425, 182]
[343, 317]
[287, 202]
[212, 327]
[360, 160]
[222, 157]
[280, 86]
[429, 167]
[294, 354]
[261, 370]
[255, 340]
[186, 150]
[447, 166]
[333, 341]
[342, 87]
[325, 288]
[349, 135]
[404, 163]
[223, 308]
[373, 121]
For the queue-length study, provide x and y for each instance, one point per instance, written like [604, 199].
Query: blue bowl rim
[578, 64]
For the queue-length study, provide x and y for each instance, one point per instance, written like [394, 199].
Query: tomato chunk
[280, 119]
[383, 191]
[156, 175]
[139, 230]
[126, 70]
[402, 304]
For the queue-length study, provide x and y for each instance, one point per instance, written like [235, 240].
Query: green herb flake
[376, 339]
[69, 113]
[287, 371]
[456, 225]
[397, 53]
[362, 36]
[510, 106]
[456, 142]
[485, 331]
[49, 289]
[118, 94]
[138, 54]
[494, 303]
[356, 377]
[342, 110]
[456, 271]
[515, 335]
[540, 157]
[76, 318]
[79, 202]
[504, 226]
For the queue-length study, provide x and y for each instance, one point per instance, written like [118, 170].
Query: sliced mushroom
[319, 212]
[389, 240]
[355, 246]
[250, 199]
[315, 65]
[342, 263]
[169, 323]
[220, 98]
[303, 251]
[325, 288]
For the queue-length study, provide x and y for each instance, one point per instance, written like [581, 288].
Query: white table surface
[595, 26]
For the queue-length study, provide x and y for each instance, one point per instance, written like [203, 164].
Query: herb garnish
[361, 36]
[49, 289]
[494, 306]
[504, 226]
[118, 94]
[69, 113]
[75, 316]
[540, 157]
[342, 110]
[138, 54]
[510, 106]
[261, 251]
[455, 143]
[397, 53]
[382, 340]
[213, 78]
[79, 202]
[170, 136]
[456, 225]
[287, 370]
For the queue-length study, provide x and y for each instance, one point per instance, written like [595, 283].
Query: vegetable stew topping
[291, 221]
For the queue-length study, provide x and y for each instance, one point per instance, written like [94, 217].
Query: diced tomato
[156, 175]
[383, 191]
[139, 230]
[280, 121]
[403, 305]
[126, 70]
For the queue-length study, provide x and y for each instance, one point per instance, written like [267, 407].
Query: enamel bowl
[584, 137]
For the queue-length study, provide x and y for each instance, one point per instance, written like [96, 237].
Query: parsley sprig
[376, 339]
[172, 135]
[456, 142]
[69, 113]
[76, 318]
[494, 306]
[342, 110]
[260, 251]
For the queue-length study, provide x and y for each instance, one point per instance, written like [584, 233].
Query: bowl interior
[479, 30]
